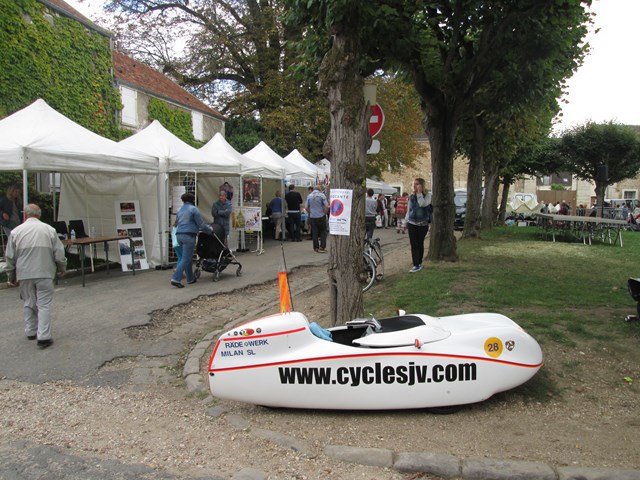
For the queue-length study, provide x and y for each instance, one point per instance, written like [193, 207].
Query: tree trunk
[472, 221]
[442, 129]
[490, 204]
[502, 211]
[600, 191]
[347, 144]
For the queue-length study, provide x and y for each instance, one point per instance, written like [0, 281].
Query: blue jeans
[294, 225]
[188, 243]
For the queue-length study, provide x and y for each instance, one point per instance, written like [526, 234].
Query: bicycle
[374, 249]
[373, 262]
[369, 270]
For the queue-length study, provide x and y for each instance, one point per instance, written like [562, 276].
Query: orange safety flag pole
[286, 304]
[285, 296]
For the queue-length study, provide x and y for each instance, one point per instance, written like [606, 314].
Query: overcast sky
[606, 87]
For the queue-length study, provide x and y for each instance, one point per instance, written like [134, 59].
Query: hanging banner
[340, 211]
[129, 224]
[251, 192]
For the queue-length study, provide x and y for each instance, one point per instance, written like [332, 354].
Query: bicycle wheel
[369, 271]
[376, 254]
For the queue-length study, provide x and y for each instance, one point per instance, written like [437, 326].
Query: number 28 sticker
[493, 347]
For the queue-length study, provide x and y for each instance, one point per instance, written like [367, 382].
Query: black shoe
[45, 343]
[177, 284]
[31, 337]
[192, 281]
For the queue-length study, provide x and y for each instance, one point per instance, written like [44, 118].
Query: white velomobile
[407, 361]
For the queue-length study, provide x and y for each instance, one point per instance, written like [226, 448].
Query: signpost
[377, 120]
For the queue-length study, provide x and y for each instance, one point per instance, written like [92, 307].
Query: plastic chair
[61, 229]
[78, 226]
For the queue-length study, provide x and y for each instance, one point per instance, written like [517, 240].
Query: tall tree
[457, 46]
[235, 55]
[590, 146]
[349, 57]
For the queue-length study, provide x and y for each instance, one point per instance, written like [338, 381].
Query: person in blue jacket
[188, 223]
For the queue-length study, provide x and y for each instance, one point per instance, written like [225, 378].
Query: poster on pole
[252, 219]
[129, 224]
[340, 211]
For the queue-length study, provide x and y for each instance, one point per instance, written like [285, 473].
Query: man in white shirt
[33, 256]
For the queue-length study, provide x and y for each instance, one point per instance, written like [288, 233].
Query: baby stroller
[213, 256]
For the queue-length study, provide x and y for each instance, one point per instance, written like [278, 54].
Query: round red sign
[377, 120]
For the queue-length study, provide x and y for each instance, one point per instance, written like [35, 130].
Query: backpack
[401, 206]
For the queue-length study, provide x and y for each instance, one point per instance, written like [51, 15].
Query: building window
[198, 126]
[129, 115]
[544, 180]
[629, 194]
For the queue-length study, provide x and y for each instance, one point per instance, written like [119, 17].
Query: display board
[129, 224]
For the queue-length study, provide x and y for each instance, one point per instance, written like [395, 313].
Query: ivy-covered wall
[46, 55]
[175, 120]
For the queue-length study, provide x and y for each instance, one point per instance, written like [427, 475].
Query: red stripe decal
[398, 354]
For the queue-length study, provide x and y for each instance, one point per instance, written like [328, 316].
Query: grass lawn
[556, 291]
[566, 295]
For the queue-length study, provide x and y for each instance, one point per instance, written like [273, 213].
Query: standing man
[294, 223]
[11, 209]
[318, 206]
[34, 253]
[370, 211]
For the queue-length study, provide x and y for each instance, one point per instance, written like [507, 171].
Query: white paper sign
[340, 211]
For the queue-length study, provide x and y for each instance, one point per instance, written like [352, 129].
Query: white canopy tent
[264, 154]
[176, 156]
[298, 159]
[381, 187]
[39, 139]
[378, 186]
[218, 148]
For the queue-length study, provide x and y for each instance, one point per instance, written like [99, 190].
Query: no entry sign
[377, 120]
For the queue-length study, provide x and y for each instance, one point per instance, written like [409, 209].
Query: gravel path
[136, 419]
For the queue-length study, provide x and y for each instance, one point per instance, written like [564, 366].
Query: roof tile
[137, 74]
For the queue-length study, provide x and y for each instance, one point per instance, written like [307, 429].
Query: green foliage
[403, 121]
[49, 56]
[175, 120]
[557, 187]
[243, 133]
[238, 57]
[588, 146]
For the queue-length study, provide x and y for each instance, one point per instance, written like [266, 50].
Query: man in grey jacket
[33, 256]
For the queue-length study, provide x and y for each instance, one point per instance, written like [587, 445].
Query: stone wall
[422, 168]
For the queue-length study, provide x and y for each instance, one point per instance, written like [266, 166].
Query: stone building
[403, 181]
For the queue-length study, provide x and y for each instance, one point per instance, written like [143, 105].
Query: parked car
[460, 199]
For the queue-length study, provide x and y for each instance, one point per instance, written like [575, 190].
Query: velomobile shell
[410, 361]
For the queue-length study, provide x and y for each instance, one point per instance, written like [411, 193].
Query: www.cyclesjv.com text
[378, 374]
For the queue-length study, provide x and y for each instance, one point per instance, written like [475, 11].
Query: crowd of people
[35, 254]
